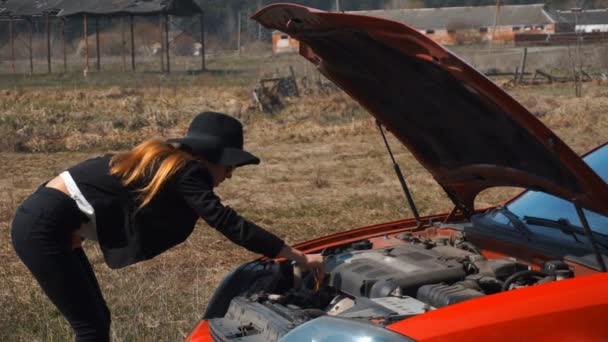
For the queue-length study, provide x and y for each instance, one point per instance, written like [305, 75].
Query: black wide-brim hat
[218, 138]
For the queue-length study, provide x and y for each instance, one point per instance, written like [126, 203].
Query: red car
[529, 269]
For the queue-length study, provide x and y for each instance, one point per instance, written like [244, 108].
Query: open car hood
[464, 129]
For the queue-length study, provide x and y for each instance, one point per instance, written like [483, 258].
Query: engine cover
[377, 273]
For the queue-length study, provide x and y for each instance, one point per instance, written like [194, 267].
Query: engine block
[377, 273]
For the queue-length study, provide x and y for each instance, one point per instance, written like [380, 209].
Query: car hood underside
[463, 128]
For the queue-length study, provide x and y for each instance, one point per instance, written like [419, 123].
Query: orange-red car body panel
[567, 310]
[201, 333]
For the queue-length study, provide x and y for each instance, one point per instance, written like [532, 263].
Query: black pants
[42, 236]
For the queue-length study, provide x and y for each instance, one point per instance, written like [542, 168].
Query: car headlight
[334, 329]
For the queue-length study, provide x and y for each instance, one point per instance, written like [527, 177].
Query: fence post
[31, 48]
[167, 23]
[132, 45]
[577, 62]
[85, 24]
[238, 37]
[203, 66]
[48, 41]
[295, 80]
[63, 43]
[98, 66]
[523, 65]
[12, 42]
[259, 25]
[161, 29]
[124, 43]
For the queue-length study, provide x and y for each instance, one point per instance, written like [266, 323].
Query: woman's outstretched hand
[310, 262]
[315, 264]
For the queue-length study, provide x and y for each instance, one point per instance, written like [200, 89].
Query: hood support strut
[408, 195]
[589, 233]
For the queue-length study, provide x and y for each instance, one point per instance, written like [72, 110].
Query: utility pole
[337, 5]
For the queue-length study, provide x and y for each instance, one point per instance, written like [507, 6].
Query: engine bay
[409, 277]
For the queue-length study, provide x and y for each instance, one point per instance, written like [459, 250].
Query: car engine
[379, 285]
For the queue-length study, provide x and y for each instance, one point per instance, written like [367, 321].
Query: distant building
[587, 21]
[454, 25]
[283, 43]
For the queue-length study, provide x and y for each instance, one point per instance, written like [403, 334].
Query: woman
[136, 204]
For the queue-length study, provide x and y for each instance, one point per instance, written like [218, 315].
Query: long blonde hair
[153, 158]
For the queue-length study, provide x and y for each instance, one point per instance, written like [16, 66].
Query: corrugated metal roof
[465, 17]
[134, 7]
[29, 8]
[19, 8]
[590, 17]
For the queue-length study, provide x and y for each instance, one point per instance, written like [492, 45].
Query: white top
[88, 229]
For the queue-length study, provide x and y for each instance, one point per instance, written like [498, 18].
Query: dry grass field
[324, 169]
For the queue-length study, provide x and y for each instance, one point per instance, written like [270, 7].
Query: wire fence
[160, 43]
[48, 44]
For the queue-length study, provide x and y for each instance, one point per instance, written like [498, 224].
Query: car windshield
[541, 205]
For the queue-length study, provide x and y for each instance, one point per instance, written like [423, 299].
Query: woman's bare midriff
[59, 184]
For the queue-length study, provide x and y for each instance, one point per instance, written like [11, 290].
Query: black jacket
[127, 235]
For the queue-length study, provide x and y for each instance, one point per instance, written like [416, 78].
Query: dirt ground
[325, 169]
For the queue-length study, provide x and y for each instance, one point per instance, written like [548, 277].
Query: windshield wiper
[515, 221]
[563, 224]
